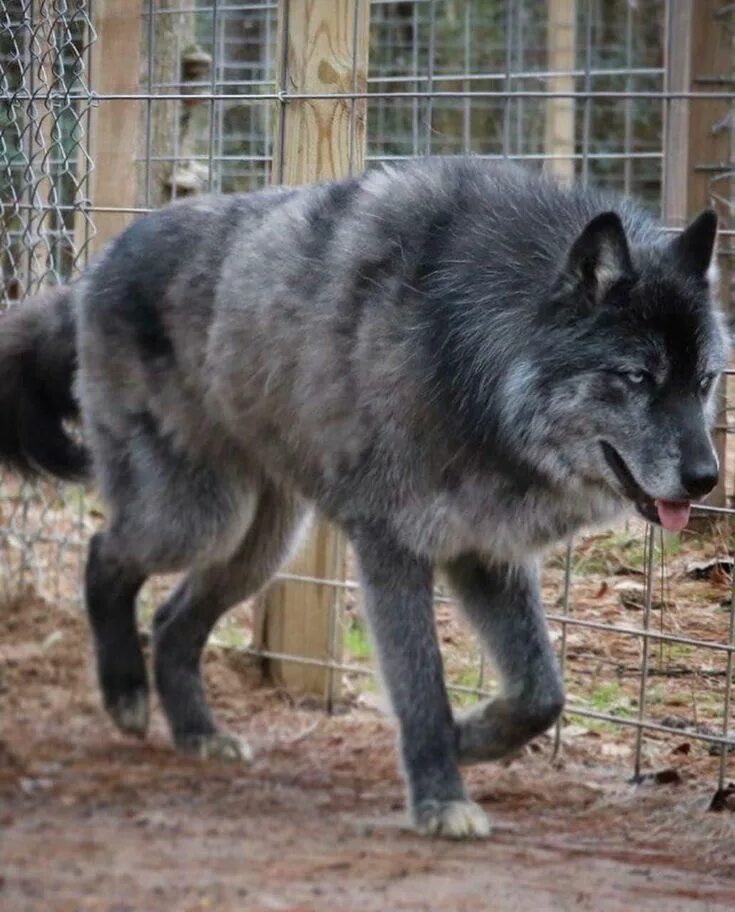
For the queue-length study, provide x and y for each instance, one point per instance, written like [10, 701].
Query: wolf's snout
[698, 478]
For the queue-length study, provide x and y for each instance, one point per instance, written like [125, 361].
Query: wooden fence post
[40, 152]
[115, 69]
[322, 48]
[698, 56]
[560, 111]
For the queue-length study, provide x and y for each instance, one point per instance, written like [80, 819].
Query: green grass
[675, 653]
[464, 676]
[606, 553]
[609, 698]
[600, 726]
[232, 636]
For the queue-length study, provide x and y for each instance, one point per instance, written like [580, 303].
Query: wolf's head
[634, 382]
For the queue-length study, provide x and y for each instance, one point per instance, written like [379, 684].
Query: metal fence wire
[591, 90]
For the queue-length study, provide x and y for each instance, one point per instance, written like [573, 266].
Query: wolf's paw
[219, 746]
[452, 820]
[129, 711]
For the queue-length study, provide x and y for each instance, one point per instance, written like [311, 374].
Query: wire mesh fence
[583, 89]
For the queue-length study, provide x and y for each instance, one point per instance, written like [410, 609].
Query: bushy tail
[37, 364]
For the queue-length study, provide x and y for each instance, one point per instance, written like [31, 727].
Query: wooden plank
[322, 48]
[677, 148]
[166, 170]
[113, 140]
[697, 44]
[560, 111]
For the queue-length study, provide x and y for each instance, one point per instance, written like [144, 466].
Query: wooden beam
[113, 140]
[322, 48]
[560, 111]
[697, 45]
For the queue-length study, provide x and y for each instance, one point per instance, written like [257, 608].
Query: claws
[129, 712]
[452, 820]
[219, 746]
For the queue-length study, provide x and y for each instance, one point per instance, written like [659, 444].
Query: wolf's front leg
[398, 596]
[504, 606]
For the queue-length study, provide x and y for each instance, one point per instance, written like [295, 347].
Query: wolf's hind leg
[183, 623]
[503, 604]
[111, 586]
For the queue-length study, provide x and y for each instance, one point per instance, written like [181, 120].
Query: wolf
[459, 362]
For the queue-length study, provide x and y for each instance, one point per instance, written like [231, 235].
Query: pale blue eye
[635, 377]
[705, 384]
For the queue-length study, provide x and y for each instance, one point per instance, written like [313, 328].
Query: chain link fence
[644, 623]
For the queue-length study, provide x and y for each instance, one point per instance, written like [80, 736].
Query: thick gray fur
[456, 361]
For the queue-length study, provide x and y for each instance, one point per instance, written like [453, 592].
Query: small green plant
[232, 637]
[609, 698]
[356, 642]
[599, 726]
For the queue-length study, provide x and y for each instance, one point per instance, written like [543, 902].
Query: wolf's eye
[639, 378]
[706, 383]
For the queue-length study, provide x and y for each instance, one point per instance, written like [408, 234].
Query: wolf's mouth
[671, 514]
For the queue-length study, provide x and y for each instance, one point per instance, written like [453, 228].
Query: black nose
[700, 477]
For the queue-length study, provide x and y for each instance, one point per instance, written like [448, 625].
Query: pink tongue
[674, 514]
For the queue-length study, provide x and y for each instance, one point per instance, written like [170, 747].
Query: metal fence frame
[49, 103]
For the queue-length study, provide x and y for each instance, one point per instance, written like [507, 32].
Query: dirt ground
[90, 821]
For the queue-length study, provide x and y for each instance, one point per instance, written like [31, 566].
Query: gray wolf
[460, 363]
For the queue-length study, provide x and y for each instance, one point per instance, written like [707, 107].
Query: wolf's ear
[598, 259]
[694, 247]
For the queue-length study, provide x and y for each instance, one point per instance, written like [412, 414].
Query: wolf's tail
[37, 364]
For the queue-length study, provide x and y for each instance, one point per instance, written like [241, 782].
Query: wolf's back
[37, 365]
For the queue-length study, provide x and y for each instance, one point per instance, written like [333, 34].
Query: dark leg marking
[111, 587]
[504, 606]
[183, 624]
[398, 595]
